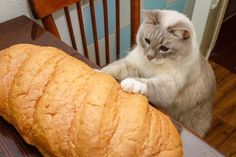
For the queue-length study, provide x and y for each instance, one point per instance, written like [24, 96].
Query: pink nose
[149, 57]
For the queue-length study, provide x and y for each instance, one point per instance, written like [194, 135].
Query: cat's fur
[168, 68]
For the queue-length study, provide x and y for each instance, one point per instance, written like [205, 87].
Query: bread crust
[65, 108]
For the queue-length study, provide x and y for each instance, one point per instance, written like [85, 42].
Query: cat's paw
[133, 86]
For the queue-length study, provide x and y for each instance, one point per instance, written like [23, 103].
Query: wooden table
[24, 30]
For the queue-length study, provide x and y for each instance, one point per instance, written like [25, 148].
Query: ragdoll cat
[167, 67]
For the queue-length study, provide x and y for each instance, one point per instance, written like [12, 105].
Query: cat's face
[165, 34]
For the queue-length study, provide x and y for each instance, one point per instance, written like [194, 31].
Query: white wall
[188, 9]
[13, 8]
[200, 16]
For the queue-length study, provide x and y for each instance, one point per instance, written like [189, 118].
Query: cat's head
[165, 34]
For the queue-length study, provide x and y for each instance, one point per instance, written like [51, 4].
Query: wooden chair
[43, 9]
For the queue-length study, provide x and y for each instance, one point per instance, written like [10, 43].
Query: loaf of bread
[66, 109]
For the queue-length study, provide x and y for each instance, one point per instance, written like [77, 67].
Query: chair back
[43, 9]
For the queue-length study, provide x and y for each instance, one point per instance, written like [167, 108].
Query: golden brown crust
[65, 108]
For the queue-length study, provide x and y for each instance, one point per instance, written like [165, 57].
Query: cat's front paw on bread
[133, 86]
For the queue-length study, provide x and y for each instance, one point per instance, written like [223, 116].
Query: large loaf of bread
[66, 109]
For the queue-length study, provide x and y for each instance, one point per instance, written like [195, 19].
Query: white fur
[133, 86]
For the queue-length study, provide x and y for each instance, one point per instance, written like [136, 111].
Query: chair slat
[69, 24]
[91, 2]
[118, 29]
[105, 12]
[42, 8]
[82, 30]
[134, 19]
[49, 24]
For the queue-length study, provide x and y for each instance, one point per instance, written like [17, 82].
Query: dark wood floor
[222, 134]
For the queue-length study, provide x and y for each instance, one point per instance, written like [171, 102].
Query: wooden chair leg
[50, 25]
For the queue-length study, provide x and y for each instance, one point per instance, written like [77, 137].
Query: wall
[13, 8]
[188, 8]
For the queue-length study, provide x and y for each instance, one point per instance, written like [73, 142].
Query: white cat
[168, 68]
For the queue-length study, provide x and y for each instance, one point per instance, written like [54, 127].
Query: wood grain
[222, 134]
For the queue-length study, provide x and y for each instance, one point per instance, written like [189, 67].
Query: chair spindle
[69, 24]
[49, 24]
[118, 29]
[91, 2]
[82, 30]
[106, 31]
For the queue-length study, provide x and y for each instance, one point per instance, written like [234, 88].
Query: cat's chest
[147, 73]
[147, 70]
[150, 71]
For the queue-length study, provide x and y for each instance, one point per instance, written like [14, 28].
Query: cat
[167, 67]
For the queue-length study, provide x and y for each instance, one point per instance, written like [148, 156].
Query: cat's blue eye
[163, 48]
[147, 41]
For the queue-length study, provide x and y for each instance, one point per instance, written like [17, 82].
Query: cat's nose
[150, 57]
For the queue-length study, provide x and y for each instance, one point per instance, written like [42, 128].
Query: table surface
[24, 30]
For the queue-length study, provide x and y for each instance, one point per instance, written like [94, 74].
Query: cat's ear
[180, 30]
[151, 16]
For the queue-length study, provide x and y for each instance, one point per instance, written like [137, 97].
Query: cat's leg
[121, 69]
[160, 90]
[198, 118]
